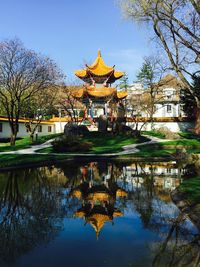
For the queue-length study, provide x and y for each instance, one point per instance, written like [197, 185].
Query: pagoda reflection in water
[98, 195]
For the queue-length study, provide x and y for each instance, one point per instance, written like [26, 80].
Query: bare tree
[23, 73]
[176, 24]
[69, 103]
[40, 105]
[138, 104]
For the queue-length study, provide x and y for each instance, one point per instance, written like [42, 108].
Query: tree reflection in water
[34, 202]
[31, 211]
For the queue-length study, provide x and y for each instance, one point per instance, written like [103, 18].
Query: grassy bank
[101, 143]
[15, 160]
[23, 143]
[105, 143]
[154, 134]
[168, 148]
[154, 151]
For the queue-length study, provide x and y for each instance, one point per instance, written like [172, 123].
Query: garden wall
[173, 126]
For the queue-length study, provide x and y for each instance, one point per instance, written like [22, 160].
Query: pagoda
[97, 91]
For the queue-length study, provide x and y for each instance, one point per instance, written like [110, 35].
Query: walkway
[128, 149]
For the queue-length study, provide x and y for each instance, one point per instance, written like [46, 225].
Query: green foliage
[188, 99]
[124, 82]
[146, 74]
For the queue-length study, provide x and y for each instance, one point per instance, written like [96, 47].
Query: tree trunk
[13, 139]
[31, 138]
[197, 121]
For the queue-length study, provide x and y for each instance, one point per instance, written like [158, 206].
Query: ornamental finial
[99, 53]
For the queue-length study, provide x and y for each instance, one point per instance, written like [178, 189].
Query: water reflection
[38, 206]
[98, 194]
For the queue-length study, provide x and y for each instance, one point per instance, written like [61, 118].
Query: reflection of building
[98, 197]
[166, 176]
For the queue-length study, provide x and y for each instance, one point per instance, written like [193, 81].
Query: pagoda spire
[99, 53]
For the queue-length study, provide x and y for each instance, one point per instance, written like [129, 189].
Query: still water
[95, 214]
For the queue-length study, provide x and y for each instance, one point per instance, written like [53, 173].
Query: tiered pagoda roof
[100, 92]
[101, 74]
[99, 69]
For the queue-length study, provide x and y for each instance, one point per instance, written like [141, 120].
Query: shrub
[168, 133]
[66, 144]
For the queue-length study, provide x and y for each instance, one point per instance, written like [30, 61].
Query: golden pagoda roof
[97, 222]
[98, 196]
[121, 193]
[77, 193]
[117, 213]
[98, 92]
[99, 68]
[80, 214]
[122, 95]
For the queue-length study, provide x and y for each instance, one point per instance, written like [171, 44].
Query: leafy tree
[124, 82]
[143, 103]
[146, 74]
[188, 100]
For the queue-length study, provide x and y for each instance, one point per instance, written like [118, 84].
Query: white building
[44, 128]
[166, 98]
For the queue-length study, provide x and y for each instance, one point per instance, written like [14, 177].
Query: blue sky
[71, 32]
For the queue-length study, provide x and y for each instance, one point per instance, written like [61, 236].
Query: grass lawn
[151, 151]
[105, 143]
[25, 143]
[183, 142]
[154, 134]
[183, 135]
[189, 141]
[109, 144]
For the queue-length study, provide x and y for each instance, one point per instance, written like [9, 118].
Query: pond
[100, 213]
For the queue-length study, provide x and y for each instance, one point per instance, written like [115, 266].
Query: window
[49, 129]
[1, 127]
[39, 128]
[169, 108]
[168, 170]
